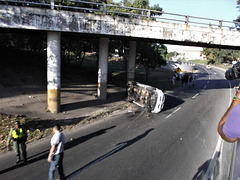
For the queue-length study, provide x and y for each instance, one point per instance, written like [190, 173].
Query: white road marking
[195, 96]
[173, 112]
[205, 87]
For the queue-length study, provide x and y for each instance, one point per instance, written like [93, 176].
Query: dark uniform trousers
[20, 145]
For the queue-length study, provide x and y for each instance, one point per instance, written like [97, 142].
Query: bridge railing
[129, 12]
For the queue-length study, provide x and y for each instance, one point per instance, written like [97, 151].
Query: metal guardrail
[130, 12]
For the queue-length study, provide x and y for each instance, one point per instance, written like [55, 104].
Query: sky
[214, 9]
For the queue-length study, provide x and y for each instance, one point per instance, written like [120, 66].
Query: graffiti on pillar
[62, 22]
[47, 22]
[73, 26]
[53, 73]
[102, 77]
[53, 64]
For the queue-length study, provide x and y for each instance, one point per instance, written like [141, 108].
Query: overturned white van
[150, 98]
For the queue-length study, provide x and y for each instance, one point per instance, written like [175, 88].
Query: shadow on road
[171, 102]
[113, 97]
[201, 171]
[68, 145]
[208, 169]
[121, 146]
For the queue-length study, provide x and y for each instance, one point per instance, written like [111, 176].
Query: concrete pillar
[132, 61]
[103, 68]
[53, 71]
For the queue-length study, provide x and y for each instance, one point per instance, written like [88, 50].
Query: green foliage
[151, 55]
[78, 46]
[219, 56]
[156, 7]
[172, 54]
[143, 4]
[134, 13]
[204, 62]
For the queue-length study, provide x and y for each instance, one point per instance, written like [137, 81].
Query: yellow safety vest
[17, 136]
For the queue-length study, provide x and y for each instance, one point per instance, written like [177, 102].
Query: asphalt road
[180, 143]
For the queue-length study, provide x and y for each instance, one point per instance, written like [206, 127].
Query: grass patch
[204, 62]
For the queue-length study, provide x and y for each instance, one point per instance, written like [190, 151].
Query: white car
[208, 67]
[148, 97]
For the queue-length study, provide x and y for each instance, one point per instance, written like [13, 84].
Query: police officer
[19, 137]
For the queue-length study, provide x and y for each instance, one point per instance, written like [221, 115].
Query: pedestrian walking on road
[183, 78]
[55, 156]
[193, 81]
[19, 137]
[174, 80]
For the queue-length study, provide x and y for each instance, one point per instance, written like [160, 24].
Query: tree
[77, 47]
[172, 54]
[142, 4]
[134, 13]
[156, 7]
[151, 55]
[219, 56]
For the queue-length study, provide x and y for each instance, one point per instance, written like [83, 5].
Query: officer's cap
[17, 122]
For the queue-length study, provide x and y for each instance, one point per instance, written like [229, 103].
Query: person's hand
[238, 93]
[49, 159]
[236, 98]
[8, 147]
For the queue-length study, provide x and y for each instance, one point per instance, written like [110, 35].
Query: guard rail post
[220, 24]
[149, 14]
[52, 4]
[104, 9]
[186, 20]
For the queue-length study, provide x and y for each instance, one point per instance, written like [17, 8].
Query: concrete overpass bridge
[103, 21]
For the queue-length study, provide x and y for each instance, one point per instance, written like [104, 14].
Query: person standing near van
[19, 137]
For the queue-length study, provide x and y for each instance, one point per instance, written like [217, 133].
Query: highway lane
[178, 143]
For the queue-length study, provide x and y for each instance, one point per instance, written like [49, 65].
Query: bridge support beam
[103, 68]
[53, 71]
[132, 61]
